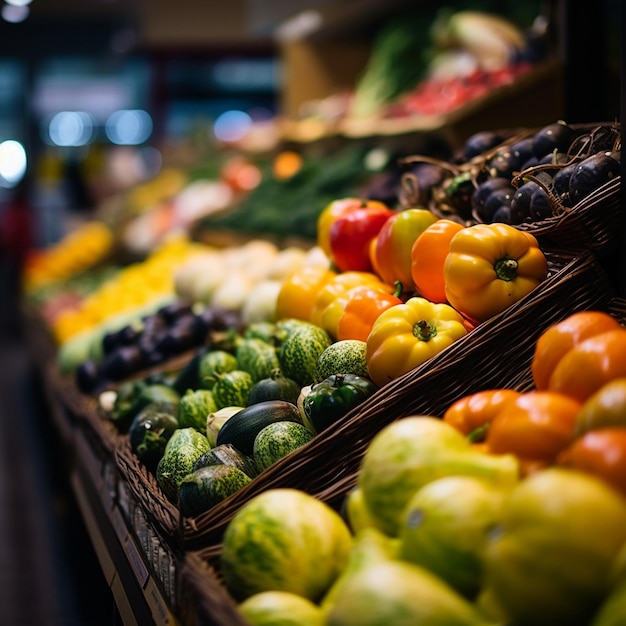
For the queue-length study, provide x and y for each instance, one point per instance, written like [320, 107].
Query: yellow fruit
[445, 528]
[550, 561]
[281, 608]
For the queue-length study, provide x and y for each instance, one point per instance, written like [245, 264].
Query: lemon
[445, 528]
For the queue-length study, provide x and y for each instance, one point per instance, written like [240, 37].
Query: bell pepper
[558, 339]
[600, 452]
[472, 414]
[428, 256]
[333, 296]
[535, 427]
[394, 243]
[409, 334]
[605, 407]
[297, 295]
[491, 266]
[363, 307]
[335, 209]
[323, 403]
[351, 234]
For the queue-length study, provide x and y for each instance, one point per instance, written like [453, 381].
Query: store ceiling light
[15, 14]
[301, 25]
[71, 129]
[18, 3]
[12, 162]
[128, 127]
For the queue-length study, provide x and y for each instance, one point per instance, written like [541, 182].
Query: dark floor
[49, 574]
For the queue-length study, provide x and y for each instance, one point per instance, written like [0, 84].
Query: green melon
[195, 406]
[342, 357]
[284, 540]
[232, 388]
[257, 357]
[181, 452]
[205, 487]
[299, 352]
[277, 440]
[212, 364]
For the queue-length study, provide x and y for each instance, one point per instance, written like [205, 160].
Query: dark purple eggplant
[520, 202]
[592, 173]
[88, 377]
[540, 207]
[557, 136]
[122, 362]
[480, 142]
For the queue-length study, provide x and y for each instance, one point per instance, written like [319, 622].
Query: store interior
[100, 97]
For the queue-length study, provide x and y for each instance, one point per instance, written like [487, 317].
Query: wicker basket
[592, 224]
[202, 597]
[497, 353]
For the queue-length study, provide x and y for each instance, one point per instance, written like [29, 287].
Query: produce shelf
[128, 558]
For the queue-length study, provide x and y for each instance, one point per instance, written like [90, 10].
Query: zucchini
[241, 429]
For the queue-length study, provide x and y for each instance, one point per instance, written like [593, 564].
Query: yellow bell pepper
[491, 266]
[406, 335]
[297, 295]
[333, 296]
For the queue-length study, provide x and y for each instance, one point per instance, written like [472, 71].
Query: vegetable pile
[509, 508]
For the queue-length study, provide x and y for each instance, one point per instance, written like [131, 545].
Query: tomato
[472, 414]
[535, 426]
[351, 235]
[559, 338]
[600, 452]
[591, 364]
[428, 255]
[362, 309]
[605, 407]
[395, 241]
[334, 210]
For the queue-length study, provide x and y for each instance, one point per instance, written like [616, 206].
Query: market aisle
[49, 575]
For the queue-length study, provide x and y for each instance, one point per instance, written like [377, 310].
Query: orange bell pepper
[298, 293]
[363, 307]
[428, 255]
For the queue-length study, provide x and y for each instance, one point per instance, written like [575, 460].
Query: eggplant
[520, 202]
[480, 142]
[540, 207]
[557, 136]
[592, 173]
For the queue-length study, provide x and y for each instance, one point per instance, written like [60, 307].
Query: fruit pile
[507, 509]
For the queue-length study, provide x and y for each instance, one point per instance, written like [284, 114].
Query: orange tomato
[475, 412]
[558, 339]
[535, 426]
[590, 364]
[428, 256]
[600, 452]
[362, 309]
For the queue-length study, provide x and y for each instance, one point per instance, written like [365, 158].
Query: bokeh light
[12, 163]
